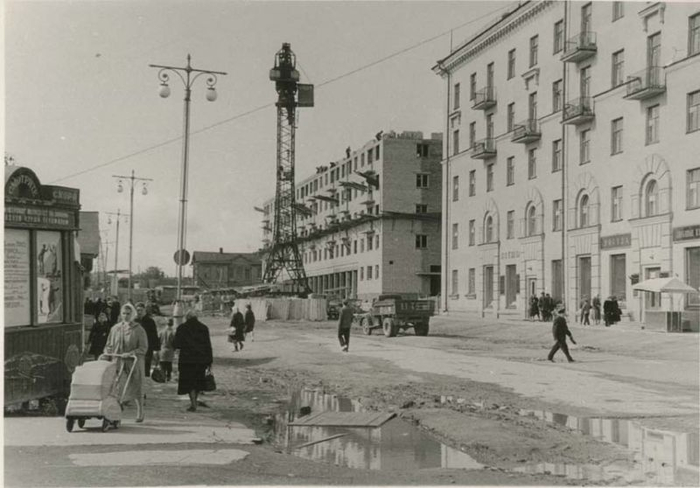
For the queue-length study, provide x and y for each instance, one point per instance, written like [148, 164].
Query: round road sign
[181, 257]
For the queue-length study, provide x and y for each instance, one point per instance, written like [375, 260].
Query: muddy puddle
[660, 457]
[393, 445]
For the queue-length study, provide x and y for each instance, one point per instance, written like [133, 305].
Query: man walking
[560, 330]
[149, 325]
[344, 325]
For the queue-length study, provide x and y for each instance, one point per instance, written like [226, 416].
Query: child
[167, 352]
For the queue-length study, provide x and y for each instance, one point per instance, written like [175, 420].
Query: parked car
[333, 306]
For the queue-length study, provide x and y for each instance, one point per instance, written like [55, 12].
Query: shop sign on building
[510, 254]
[615, 242]
[687, 233]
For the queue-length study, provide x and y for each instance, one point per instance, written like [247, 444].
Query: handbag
[158, 375]
[209, 381]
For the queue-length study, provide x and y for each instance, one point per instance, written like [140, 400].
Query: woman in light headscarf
[128, 337]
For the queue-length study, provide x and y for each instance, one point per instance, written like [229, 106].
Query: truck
[396, 312]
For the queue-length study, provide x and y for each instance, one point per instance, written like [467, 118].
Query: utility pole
[115, 280]
[284, 250]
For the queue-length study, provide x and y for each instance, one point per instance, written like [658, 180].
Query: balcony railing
[484, 149]
[648, 83]
[526, 132]
[579, 47]
[484, 99]
[578, 111]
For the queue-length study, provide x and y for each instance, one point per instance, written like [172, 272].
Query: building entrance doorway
[584, 278]
[652, 301]
[511, 286]
[488, 286]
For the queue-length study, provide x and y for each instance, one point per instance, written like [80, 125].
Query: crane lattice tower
[283, 253]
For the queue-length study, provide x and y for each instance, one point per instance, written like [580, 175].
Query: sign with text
[616, 241]
[17, 278]
[687, 233]
[39, 217]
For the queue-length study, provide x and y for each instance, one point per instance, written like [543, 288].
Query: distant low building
[221, 269]
[89, 241]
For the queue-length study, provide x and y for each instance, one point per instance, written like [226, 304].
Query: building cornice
[494, 34]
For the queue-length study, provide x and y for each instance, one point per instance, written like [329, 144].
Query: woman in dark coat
[193, 340]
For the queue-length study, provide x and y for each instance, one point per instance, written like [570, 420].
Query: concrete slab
[51, 431]
[160, 458]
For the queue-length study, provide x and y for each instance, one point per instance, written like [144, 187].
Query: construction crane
[283, 253]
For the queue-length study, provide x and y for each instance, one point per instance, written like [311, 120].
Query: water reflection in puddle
[395, 445]
[660, 457]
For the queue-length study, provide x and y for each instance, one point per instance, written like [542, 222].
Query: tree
[151, 273]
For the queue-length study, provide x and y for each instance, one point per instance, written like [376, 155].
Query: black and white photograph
[351, 242]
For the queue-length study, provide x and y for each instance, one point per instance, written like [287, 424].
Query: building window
[694, 35]
[586, 15]
[422, 150]
[618, 276]
[422, 180]
[455, 188]
[370, 242]
[376, 152]
[362, 273]
[652, 135]
[489, 177]
[616, 136]
[692, 275]
[456, 97]
[556, 96]
[558, 36]
[531, 164]
[455, 142]
[556, 156]
[510, 117]
[369, 272]
[472, 183]
[511, 63]
[616, 207]
[376, 271]
[583, 220]
[532, 106]
[618, 68]
[472, 232]
[693, 111]
[472, 134]
[585, 82]
[618, 10]
[490, 73]
[455, 282]
[354, 247]
[472, 86]
[472, 281]
[421, 208]
[362, 245]
[531, 226]
[421, 241]
[510, 224]
[510, 171]
[488, 229]
[693, 188]
[455, 236]
[556, 215]
[651, 198]
[534, 41]
[585, 146]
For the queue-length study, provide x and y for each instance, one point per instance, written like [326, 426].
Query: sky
[82, 104]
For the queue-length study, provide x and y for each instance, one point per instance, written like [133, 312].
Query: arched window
[583, 219]
[531, 221]
[488, 229]
[651, 199]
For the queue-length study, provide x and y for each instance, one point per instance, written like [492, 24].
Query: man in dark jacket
[344, 325]
[608, 311]
[149, 325]
[249, 322]
[193, 340]
[560, 330]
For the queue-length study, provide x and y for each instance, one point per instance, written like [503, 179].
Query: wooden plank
[344, 419]
[319, 441]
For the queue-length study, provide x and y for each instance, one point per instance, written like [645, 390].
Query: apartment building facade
[572, 165]
[369, 223]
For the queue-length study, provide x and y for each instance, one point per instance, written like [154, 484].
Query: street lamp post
[133, 179]
[115, 281]
[188, 76]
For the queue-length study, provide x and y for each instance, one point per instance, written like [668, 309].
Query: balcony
[484, 99]
[526, 132]
[581, 46]
[484, 149]
[579, 111]
[648, 83]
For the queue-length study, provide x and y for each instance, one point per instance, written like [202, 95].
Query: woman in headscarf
[128, 337]
[193, 341]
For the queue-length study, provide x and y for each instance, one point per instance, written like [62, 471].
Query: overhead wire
[271, 104]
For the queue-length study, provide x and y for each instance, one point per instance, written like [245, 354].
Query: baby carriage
[95, 392]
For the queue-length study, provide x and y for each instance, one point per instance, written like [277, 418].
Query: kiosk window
[49, 277]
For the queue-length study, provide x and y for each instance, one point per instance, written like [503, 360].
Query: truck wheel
[69, 424]
[422, 328]
[106, 424]
[390, 328]
[81, 423]
[366, 326]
